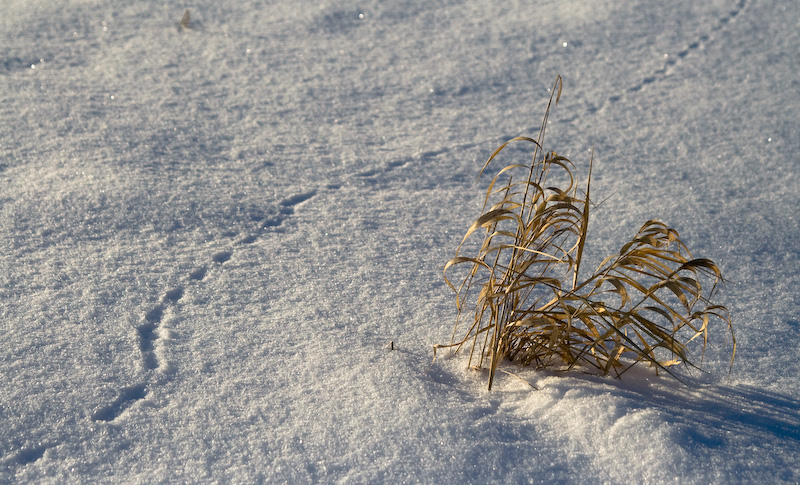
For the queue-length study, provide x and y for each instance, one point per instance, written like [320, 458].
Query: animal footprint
[30, 455]
[222, 256]
[248, 239]
[198, 274]
[148, 335]
[287, 208]
[126, 398]
[173, 295]
[298, 198]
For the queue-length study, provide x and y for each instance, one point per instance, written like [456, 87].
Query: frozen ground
[211, 236]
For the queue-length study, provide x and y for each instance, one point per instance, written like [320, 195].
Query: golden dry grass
[522, 296]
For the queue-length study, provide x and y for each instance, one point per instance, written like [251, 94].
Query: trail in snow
[154, 320]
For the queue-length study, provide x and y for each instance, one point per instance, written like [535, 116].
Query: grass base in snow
[523, 297]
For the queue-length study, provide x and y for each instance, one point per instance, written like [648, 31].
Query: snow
[213, 237]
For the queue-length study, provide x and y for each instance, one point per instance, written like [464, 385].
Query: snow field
[211, 237]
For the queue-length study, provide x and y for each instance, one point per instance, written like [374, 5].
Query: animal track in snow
[147, 336]
[198, 274]
[297, 198]
[248, 239]
[371, 173]
[285, 209]
[127, 396]
[27, 455]
[222, 256]
[149, 331]
[174, 294]
[673, 60]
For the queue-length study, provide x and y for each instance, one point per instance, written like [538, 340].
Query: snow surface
[212, 236]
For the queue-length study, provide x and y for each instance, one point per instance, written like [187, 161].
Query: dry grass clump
[185, 21]
[523, 296]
